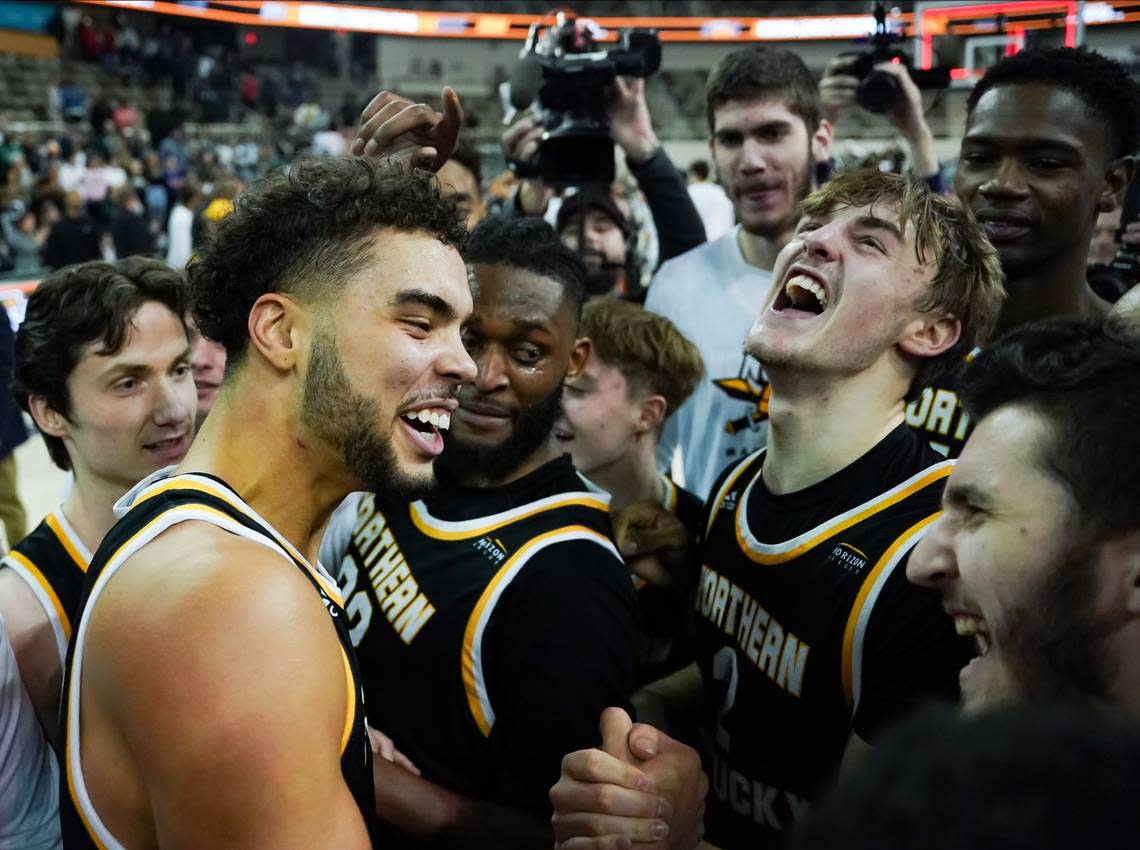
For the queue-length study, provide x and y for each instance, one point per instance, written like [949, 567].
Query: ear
[1124, 554]
[929, 336]
[1116, 180]
[821, 141]
[275, 322]
[650, 414]
[578, 357]
[47, 419]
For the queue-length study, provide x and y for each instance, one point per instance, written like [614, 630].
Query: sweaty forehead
[504, 292]
[1033, 113]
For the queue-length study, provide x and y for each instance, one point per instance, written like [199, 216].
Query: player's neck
[541, 456]
[760, 250]
[821, 423]
[89, 507]
[630, 478]
[252, 442]
[1056, 289]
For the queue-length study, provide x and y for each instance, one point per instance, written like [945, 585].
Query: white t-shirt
[713, 297]
[29, 775]
[179, 231]
[714, 208]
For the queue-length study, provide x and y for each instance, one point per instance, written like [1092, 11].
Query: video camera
[570, 77]
[878, 92]
[1112, 280]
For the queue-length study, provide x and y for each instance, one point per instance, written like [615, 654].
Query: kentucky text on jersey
[397, 593]
[778, 653]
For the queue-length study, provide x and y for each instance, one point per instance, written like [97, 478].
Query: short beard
[464, 461]
[802, 190]
[346, 420]
[1055, 643]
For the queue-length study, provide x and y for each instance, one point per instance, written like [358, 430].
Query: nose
[752, 160]
[820, 244]
[456, 363]
[170, 408]
[1008, 181]
[932, 562]
[491, 370]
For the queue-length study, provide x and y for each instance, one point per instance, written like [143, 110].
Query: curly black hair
[1103, 84]
[530, 244]
[1083, 377]
[305, 231]
[79, 305]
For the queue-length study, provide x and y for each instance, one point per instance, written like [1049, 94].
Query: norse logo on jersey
[748, 385]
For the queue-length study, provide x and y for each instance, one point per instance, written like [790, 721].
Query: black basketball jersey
[493, 625]
[808, 630]
[938, 415]
[52, 560]
[153, 506]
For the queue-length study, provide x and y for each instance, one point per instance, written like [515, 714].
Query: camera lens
[878, 92]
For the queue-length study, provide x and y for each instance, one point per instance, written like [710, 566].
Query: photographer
[837, 91]
[678, 224]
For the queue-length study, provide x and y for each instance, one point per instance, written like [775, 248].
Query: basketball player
[810, 638]
[494, 618]
[103, 367]
[1047, 147]
[211, 696]
[640, 370]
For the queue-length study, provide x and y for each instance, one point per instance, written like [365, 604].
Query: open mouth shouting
[425, 426]
[969, 624]
[804, 295]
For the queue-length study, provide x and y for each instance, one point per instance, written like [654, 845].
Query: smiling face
[600, 418]
[765, 157]
[132, 411]
[522, 337]
[208, 364]
[844, 291]
[386, 362]
[1006, 555]
[1035, 169]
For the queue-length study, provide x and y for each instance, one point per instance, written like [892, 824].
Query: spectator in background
[180, 227]
[72, 100]
[129, 228]
[74, 238]
[13, 432]
[25, 240]
[73, 172]
[1102, 249]
[711, 201]
[461, 178]
[590, 222]
[208, 365]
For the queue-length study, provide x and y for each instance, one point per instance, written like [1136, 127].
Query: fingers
[582, 825]
[394, 119]
[597, 766]
[445, 134]
[520, 142]
[570, 796]
[404, 762]
[605, 842]
[640, 540]
[614, 726]
[645, 741]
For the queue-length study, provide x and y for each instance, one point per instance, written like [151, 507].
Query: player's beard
[465, 461]
[1055, 643]
[803, 181]
[346, 420]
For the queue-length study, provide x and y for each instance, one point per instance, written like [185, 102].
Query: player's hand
[655, 544]
[383, 747]
[394, 126]
[837, 87]
[630, 125]
[612, 798]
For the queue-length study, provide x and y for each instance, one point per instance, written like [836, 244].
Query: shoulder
[676, 276]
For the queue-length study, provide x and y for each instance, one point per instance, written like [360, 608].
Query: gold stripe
[830, 531]
[75, 800]
[724, 488]
[180, 484]
[350, 711]
[42, 581]
[54, 524]
[861, 601]
[467, 655]
[670, 494]
[441, 534]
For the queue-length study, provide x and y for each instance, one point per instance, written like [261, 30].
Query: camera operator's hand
[630, 124]
[837, 87]
[520, 144]
[1131, 236]
[394, 126]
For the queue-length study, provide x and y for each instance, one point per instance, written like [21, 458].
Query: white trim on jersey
[869, 606]
[727, 485]
[45, 602]
[167, 520]
[420, 512]
[823, 530]
[71, 535]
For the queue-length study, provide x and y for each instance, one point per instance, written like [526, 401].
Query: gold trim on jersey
[439, 529]
[30, 572]
[350, 711]
[780, 553]
[478, 700]
[670, 500]
[727, 485]
[205, 485]
[867, 596]
[180, 513]
[64, 534]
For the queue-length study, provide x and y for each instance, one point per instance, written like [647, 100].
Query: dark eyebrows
[964, 494]
[425, 299]
[127, 368]
[876, 223]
